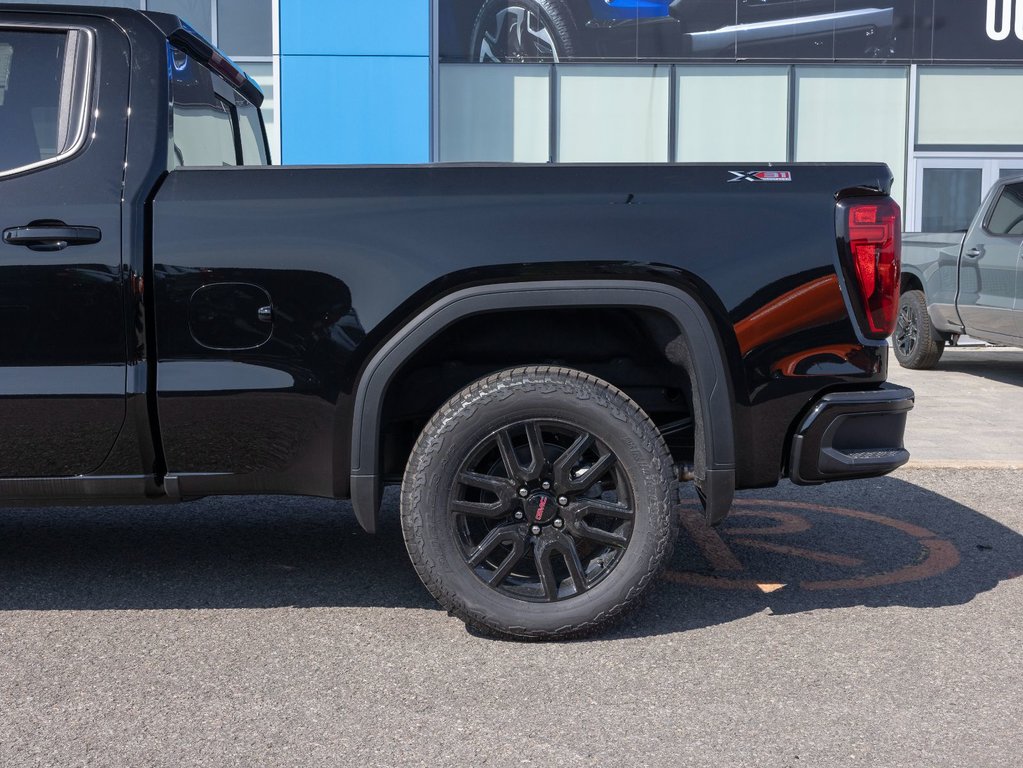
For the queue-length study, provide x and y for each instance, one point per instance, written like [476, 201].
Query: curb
[953, 464]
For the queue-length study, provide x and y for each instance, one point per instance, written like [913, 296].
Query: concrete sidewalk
[969, 409]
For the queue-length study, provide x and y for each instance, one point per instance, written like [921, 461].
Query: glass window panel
[1008, 173]
[1007, 216]
[613, 114]
[263, 73]
[978, 106]
[253, 148]
[951, 197]
[203, 126]
[198, 13]
[853, 114]
[245, 27]
[203, 135]
[494, 113]
[32, 91]
[733, 114]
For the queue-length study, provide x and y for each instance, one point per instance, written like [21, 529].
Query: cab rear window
[212, 124]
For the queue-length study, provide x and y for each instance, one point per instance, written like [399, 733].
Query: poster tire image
[523, 31]
[539, 503]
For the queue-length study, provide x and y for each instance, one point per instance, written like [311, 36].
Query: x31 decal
[760, 176]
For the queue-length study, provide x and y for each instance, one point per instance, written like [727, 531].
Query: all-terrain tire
[491, 30]
[549, 399]
[917, 345]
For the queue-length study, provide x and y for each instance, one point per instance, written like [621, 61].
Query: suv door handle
[51, 237]
[974, 253]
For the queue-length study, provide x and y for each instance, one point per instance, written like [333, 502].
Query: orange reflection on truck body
[813, 304]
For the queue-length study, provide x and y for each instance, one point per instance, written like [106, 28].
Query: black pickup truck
[537, 354]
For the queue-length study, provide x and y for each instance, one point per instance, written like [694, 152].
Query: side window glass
[43, 92]
[1007, 216]
[203, 131]
[253, 144]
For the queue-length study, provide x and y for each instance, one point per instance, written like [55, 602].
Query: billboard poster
[925, 31]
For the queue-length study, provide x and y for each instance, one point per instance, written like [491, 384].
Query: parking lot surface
[875, 623]
[969, 409]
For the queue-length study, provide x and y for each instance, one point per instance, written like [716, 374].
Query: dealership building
[934, 88]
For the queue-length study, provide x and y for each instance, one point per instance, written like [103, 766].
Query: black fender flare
[697, 349]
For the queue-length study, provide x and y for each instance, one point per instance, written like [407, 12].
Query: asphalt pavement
[969, 408]
[875, 623]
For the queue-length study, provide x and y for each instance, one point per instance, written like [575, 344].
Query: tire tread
[929, 348]
[571, 382]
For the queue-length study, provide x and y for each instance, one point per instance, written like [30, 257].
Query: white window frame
[989, 163]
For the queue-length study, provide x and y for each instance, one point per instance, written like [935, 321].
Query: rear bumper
[850, 435]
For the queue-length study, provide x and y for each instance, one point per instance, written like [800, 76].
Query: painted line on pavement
[935, 556]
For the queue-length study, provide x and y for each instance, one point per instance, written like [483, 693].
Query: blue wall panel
[356, 27]
[366, 109]
[355, 81]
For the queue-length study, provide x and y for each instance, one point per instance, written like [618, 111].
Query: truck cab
[74, 182]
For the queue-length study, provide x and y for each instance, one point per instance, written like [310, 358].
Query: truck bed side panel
[348, 254]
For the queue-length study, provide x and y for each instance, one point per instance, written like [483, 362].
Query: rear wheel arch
[913, 281]
[910, 282]
[696, 348]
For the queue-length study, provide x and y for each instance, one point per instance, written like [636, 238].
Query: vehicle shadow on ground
[877, 543]
[251, 552]
[1003, 367]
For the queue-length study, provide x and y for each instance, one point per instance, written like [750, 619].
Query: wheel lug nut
[559, 523]
[545, 485]
[519, 515]
[523, 492]
[563, 501]
[536, 530]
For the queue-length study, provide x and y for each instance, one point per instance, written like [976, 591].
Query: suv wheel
[522, 31]
[916, 344]
[539, 503]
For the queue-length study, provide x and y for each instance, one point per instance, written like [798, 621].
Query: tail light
[874, 243]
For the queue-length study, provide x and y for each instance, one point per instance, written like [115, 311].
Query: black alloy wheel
[915, 343]
[539, 503]
[542, 510]
[522, 31]
[907, 332]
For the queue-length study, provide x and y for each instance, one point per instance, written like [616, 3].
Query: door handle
[974, 253]
[51, 237]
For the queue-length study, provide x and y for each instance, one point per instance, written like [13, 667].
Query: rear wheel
[539, 503]
[916, 344]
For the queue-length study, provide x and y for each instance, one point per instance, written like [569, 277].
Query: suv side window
[44, 83]
[1007, 215]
